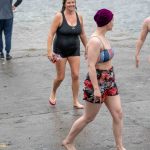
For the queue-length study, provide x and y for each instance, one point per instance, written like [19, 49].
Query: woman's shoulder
[94, 40]
[79, 15]
[146, 20]
[58, 18]
[146, 23]
[58, 14]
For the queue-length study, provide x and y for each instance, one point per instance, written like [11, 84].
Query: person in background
[67, 27]
[141, 39]
[100, 85]
[6, 25]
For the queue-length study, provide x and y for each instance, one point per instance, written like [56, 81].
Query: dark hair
[63, 5]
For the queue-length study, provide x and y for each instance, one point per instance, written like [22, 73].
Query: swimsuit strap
[99, 40]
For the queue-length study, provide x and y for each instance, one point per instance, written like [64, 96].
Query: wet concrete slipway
[27, 122]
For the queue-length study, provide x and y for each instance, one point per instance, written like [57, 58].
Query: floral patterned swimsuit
[107, 84]
[105, 78]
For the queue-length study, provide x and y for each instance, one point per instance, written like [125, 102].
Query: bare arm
[83, 35]
[55, 24]
[93, 53]
[140, 42]
[141, 38]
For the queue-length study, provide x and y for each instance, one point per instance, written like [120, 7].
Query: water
[33, 19]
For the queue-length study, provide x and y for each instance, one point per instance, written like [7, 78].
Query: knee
[60, 78]
[75, 76]
[118, 116]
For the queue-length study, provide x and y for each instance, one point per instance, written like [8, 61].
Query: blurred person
[6, 25]
[144, 32]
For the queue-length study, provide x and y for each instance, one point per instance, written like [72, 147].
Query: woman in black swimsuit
[67, 27]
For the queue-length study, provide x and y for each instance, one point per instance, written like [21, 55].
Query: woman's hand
[97, 95]
[52, 57]
[137, 60]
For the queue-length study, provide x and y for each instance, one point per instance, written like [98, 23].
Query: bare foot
[53, 95]
[78, 106]
[120, 148]
[52, 99]
[68, 146]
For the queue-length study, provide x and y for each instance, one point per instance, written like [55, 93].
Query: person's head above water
[103, 17]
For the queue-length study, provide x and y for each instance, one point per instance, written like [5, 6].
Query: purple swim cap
[103, 17]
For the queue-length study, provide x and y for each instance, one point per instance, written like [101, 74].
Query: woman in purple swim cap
[99, 85]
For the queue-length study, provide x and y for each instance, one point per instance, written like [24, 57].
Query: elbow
[91, 67]
[83, 36]
[49, 38]
[139, 42]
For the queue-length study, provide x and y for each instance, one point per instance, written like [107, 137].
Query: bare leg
[60, 70]
[75, 65]
[90, 113]
[113, 103]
